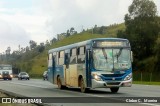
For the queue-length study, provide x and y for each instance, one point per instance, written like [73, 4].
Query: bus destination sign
[110, 44]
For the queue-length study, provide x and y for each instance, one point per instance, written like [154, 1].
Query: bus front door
[67, 72]
[88, 69]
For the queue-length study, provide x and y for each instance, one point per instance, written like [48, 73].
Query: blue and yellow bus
[95, 63]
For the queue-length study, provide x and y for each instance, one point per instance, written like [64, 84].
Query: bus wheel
[59, 83]
[114, 90]
[82, 85]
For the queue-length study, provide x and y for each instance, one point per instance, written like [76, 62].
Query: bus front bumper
[110, 84]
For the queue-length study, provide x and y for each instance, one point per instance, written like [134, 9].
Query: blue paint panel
[117, 76]
[59, 70]
[88, 70]
[54, 72]
[50, 74]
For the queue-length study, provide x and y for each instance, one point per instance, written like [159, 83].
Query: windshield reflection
[111, 59]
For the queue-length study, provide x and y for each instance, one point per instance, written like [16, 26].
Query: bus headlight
[11, 76]
[0, 76]
[128, 77]
[96, 77]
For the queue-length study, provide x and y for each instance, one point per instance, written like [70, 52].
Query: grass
[38, 64]
[146, 83]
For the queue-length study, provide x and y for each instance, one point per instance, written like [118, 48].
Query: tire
[82, 85]
[59, 83]
[114, 90]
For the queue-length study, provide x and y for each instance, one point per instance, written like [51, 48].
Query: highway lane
[40, 88]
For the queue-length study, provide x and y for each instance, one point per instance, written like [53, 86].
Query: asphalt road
[40, 88]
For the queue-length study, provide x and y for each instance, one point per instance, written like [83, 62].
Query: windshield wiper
[104, 53]
[119, 53]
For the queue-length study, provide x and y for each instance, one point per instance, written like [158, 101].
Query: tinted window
[82, 50]
[73, 52]
[61, 57]
[73, 58]
[81, 55]
[23, 73]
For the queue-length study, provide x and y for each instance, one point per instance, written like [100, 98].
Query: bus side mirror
[131, 56]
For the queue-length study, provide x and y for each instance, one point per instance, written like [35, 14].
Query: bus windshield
[5, 68]
[111, 59]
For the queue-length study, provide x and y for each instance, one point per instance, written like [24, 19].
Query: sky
[41, 20]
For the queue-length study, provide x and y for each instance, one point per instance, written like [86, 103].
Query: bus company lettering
[34, 101]
[150, 101]
[14, 100]
[133, 100]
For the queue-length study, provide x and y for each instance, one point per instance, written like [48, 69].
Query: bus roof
[84, 43]
[5, 65]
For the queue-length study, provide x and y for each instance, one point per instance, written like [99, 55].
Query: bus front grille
[112, 75]
[113, 83]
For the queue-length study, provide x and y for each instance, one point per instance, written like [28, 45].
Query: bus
[6, 72]
[94, 63]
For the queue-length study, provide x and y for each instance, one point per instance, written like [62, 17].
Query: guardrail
[146, 76]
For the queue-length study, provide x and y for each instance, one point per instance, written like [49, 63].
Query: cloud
[18, 26]
[65, 14]
[12, 35]
[40, 20]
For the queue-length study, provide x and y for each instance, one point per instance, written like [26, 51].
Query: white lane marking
[95, 95]
[149, 104]
[28, 85]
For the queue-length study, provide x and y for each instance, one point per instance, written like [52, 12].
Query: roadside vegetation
[146, 83]
[141, 27]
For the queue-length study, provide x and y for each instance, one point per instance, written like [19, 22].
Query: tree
[68, 33]
[102, 30]
[47, 43]
[95, 29]
[157, 52]
[72, 31]
[142, 27]
[27, 49]
[40, 48]
[53, 40]
[32, 44]
[8, 50]
[23, 50]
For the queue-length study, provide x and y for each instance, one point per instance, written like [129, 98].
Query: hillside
[35, 63]
[39, 63]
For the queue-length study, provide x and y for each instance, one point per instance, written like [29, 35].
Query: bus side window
[61, 57]
[50, 60]
[54, 59]
[73, 57]
[67, 60]
[81, 54]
